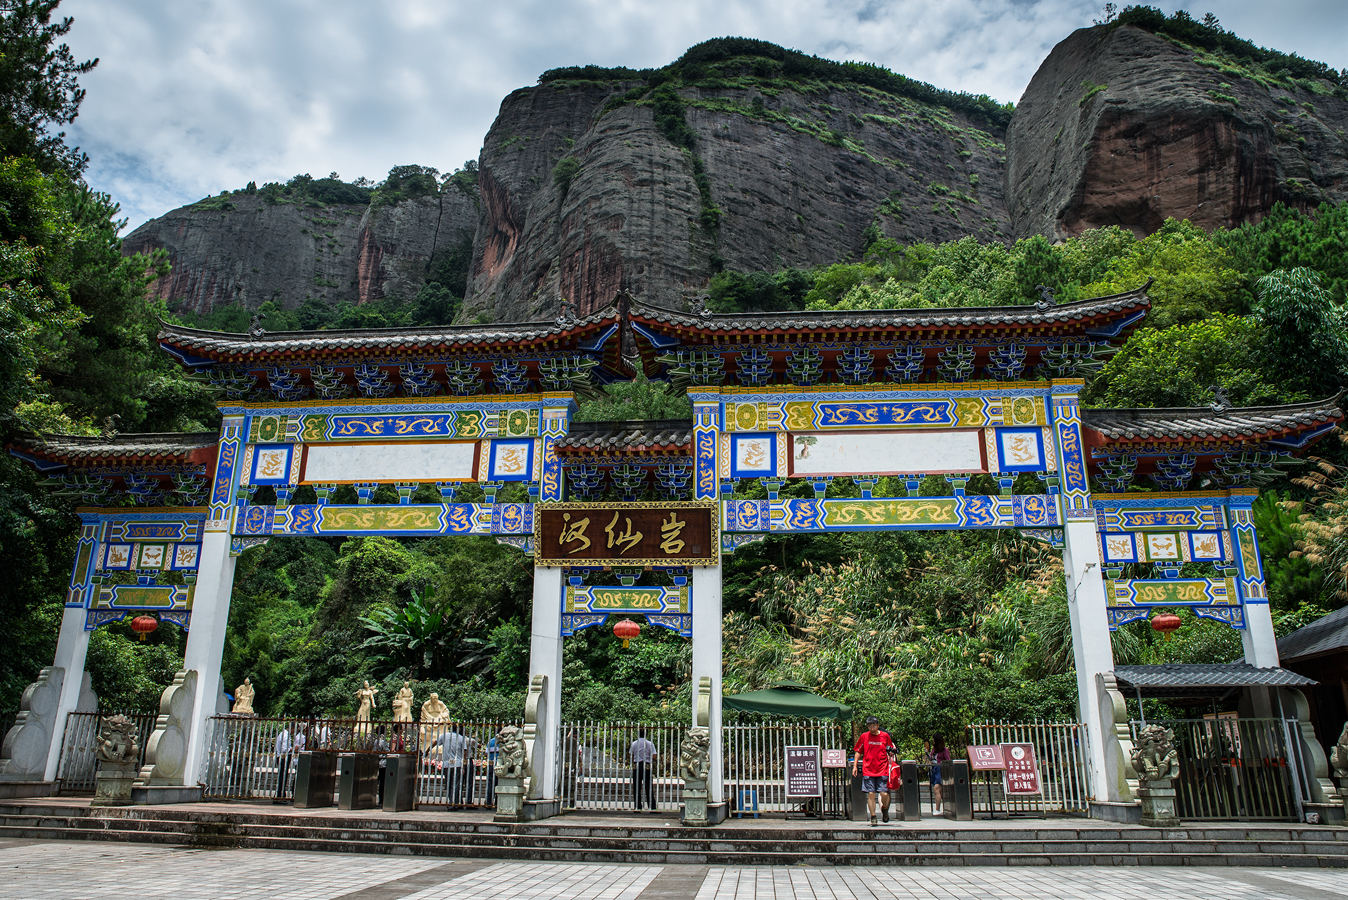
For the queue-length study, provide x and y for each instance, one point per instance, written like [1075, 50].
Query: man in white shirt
[643, 754]
[283, 746]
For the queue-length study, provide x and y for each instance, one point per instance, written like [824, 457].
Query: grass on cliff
[704, 65]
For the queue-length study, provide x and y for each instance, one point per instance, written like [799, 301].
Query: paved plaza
[36, 870]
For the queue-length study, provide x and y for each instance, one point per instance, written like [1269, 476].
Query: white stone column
[706, 600]
[71, 648]
[1091, 649]
[1261, 647]
[545, 658]
[206, 644]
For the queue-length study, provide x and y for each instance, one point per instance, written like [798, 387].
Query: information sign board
[804, 777]
[1022, 770]
[986, 758]
[835, 759]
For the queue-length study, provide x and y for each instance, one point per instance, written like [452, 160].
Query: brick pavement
[36, 870]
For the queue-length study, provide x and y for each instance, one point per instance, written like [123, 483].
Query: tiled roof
[57, 452]
[218, 344]
[1325, 635]
[628, 437]
[1189, 423]
[1182, 677]
[1028, 316]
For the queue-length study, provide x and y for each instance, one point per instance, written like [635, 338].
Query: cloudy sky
[191, 97]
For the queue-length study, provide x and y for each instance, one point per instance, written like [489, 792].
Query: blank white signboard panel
[391, 462]
[880, 453]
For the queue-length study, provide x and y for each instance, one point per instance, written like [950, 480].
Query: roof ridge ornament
[1220, 401]
[566, 313]
[1046, 299]
[702, 306]
[255, 329]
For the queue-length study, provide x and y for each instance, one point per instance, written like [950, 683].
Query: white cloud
[195, 96]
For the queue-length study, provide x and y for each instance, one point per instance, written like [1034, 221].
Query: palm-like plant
[417, 626]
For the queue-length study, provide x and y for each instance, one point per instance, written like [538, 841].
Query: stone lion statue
[116, 742]
[695, 755]
[511, 755]
[1154, 754]
[1338, 757]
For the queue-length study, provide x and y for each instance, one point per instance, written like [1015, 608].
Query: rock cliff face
[599, 180]
[794, 177]
[246, 250]
[1124, 127]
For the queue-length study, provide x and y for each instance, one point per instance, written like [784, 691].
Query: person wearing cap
[870, 755]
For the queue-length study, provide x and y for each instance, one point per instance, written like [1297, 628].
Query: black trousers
[283, 775]
[641, 778]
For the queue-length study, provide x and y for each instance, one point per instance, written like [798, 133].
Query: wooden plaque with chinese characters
[627, 534]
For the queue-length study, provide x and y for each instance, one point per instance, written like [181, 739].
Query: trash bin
[957, 796]
[400, 782]
[357, 781]
[911, 801]
[315, 778]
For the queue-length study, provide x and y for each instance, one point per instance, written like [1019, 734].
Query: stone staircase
[769, 843]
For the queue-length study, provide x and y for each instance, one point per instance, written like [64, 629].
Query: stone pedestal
[113, 783]
[1158, 804]
[695, 806]
[509, 800]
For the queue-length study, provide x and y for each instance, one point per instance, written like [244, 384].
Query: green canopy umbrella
[788, 698]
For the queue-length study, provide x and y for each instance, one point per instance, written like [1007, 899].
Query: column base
[1329, 813]
[540, 809]
[1124, 812]
[16, 790]
[155, 794]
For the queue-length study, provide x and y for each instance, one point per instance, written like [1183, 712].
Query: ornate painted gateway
[802, 422]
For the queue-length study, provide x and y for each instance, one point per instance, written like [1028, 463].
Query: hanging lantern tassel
[1165, 623]
[626, 629]
[143, 625]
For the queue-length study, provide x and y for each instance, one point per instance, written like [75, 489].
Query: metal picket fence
[78, 764]
[1236, 768]
[242, 763]
[1061, 749]
[595, 769]
[755, 756]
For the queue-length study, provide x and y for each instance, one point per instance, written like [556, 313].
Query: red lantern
[143, 625]
[626, 629]
[1165, 623]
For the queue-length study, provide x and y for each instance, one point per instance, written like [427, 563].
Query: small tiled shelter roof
[61, 451]
[1327, 634]
[1205, 679]
[1106, 316]
[666, 436]
[1292, 425]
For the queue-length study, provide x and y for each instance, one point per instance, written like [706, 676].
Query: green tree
[1303, 330]
[39, 86]
[1177, 366]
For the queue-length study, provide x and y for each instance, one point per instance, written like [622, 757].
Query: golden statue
[243, 699]
[402, 703]
[366, 697]
[434, 715]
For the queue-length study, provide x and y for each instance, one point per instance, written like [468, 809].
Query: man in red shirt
[871, 755]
